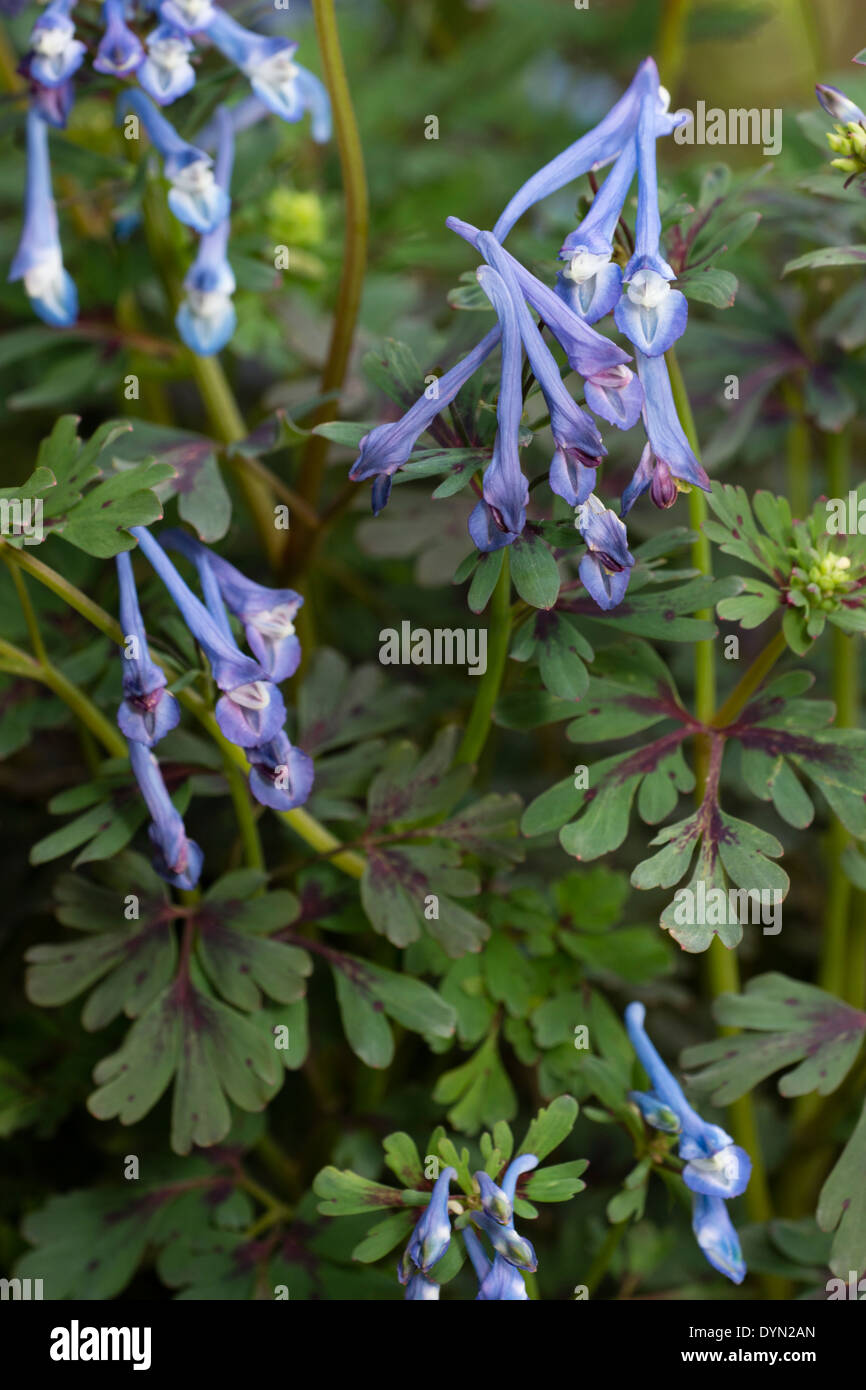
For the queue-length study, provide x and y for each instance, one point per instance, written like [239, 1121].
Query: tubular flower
[715, 1165]
[166, 72]
[499, 517]
[148, 711]
[120, 52]
[53, 104]
[591, 284]
[39, 260]
[267, 614]
[650, 313]
[177, 859]
[431, 1236]
[498, 1281]
[190, 16]
[715, 1234]
[195, 198]
[55, 53]
[251, 712]
[606, 567]
[383, 451]
[667, 465]
[285, 88]
[578, 443]
[206, 319]
[281, 776]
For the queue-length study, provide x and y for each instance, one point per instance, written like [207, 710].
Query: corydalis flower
[120, 52]
[385, 449]
[650, 313]
[190, 16]
[39, 260]
[578, 443]
[251, 712]
[499, 518]
[432, 1234]
[285, 88]
[606, 568]
[268, 615]
[177, 859]
[715, 1165]
[667, 465]
[715, 1234]
[498, 1281]
[195, 198]
[281, 776]
[55, 53]
[206, 319]
[837, 105]
[166, 72]
[148, 711]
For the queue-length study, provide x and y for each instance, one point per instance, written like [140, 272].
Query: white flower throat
[647, 289]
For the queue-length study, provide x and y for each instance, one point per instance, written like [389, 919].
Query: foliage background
[511, 83]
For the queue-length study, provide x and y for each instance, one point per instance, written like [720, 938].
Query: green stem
[28, 610]
[356, 213]
[499, 630]
[598, 1268]
[722, 968]
[300, 821]
[796, 451]
[21, 664]
[245, 815]
[833, 974]
[750, 681]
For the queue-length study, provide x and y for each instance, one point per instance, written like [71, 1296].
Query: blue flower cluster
[499, 1274]
[161, 65]
[716, 1168]
[590, 285]
[250, 711]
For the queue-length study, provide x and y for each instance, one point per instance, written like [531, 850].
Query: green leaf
[348, 1194]
[402, 1157]
[715, 287]
[791, 1022]
[825, 257]
[478, 1092]
[484, 580]
[384, 1236]
[550, 1127]
[842, 1205]
[558, 1183]
[534, 571]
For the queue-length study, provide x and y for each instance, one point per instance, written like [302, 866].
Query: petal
[572, 475]
[281, 776]
[717, 1238]
[251, 714]
[593, 298]
[607, 589]
[654, 330]
[615, 396]
[725, 1174]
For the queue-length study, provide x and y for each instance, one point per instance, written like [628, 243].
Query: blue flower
[55, 53]
[53, 104]
[148, 711]
[432, 1234]
[523, 1163]
[120, 52]
[190, 16]
[650, 313]
[285, 88]
[385, 449]
[590, 284]
[421, 1288]
[500, 516]
[39, 260]
[267, 614]
[281, 776]
[669, 462]
[499, 1281]
[195, 197]
[507, 1242]
[177, 859]
[715, 1165]
[592, 151]
[837, 105]
[166, 72]
[588, 352]
[717, 1238]
[206, 319]
[578, 443]
[251, 712]
[606, 568]
[495, 1202]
